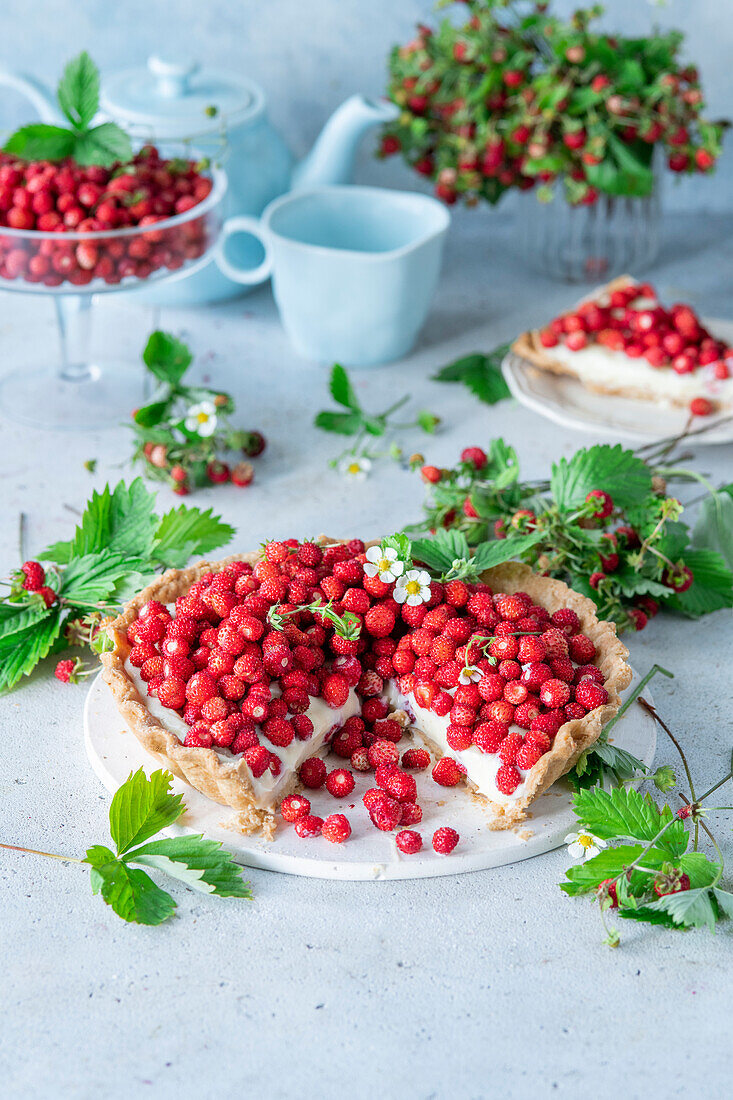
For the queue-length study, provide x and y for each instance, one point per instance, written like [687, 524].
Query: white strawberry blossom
[413, 587]
[201, 419]
[584, 845]
[469, 675]
[355, 468]
[382, 562]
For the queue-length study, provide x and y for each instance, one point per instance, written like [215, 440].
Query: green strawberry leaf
[41, 141]
[626, 814]
[202, 863]
[167, 357]
[689, 908]
[105, 144]
[714, 527]
[498, 551]
[21, 651]
[91, 578]
[78, 91]
[141, 807]
[185, 532]
[712, 586]
[131, 893]
[342, 390]
[481, 374]
[120, 519]
[586, 876]
[341, 423]
[614, 470]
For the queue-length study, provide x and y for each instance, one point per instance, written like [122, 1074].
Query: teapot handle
[33, 91]
[250, 276]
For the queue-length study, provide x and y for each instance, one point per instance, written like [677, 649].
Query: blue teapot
[221, 115]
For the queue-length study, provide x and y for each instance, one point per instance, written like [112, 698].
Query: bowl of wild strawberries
[64, 225]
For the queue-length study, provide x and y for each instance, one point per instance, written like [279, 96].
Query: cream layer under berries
[623, 341]
[241, 674]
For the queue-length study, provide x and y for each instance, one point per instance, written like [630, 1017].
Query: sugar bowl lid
[175, 98]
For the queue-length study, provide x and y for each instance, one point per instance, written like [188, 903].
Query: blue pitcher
[223, 116]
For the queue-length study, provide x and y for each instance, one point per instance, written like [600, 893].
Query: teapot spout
[331, 160]
[34, 91]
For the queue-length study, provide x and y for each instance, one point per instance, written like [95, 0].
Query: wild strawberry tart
[242, 675]
[623, 341]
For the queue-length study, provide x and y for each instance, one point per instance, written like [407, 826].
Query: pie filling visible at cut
[513, 678]
[622, 341]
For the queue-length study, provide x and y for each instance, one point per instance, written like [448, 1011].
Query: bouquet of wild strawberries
[517, 97]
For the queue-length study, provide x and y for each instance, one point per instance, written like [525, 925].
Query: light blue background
[310, 54]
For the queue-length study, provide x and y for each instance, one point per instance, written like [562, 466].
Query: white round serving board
[565, 400]
[114, 752]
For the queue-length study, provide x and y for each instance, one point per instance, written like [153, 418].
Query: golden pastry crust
[229, 782]
[529, 346]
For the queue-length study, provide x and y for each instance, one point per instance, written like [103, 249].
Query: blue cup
[354, 269]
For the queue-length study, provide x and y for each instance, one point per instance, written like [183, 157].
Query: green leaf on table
[104, 144]
[480, 373]
[714, 527]
[724, 900]
[185, 532]
[341, 388]
[131, 893]
[141, 807]
[199, 862]
[623, 764]
[21, 651]
[615, 470]
[41, 141]
[624, 813]
[78, 91]
[340, 423]
[167, 357]
[632, 583]
[689, 908]
[440, 552]
[150, 415]
[120, 519]
[712, 586]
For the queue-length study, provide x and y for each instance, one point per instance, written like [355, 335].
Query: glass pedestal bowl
[79, 392]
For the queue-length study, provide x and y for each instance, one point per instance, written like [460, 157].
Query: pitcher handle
[33, 92]
[250, 276]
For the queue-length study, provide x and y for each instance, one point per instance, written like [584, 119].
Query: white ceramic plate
[565, 400]
[369, 854]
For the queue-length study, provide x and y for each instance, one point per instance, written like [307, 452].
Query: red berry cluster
[34, 580]
[242, 684]
[64, 197]
[634, 322]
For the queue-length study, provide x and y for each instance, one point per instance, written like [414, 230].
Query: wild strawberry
[528, 755]
[154, 666]
[531, 649]
[198, 738]
[565, 619]
[417, 759]
[356, 600]
[340, 782]
[481, 606]
[607, 889]
[700, 406]
[447, 772]
[410, 813]
[294, 807]
[312, 773]
[141, 653]
[279, 732]
[548, 724]
[370, 683]
[48, 595]
[309, 826]
[172, 693]
[445, 840]
[382, 752]
[431, 474]
[66, 671]
[242, 474]
[335, 690]
[336, 828]
[386, 813]
[408, 841]
[374, 709]
[379, 621]
[510, 607]
[245, 739]
[673, 883]
[507, 779]
[475, 457]
[590, 694]
[459, 738]
[582, 649]
[425, 695]
[360, 760]
[504, 648]
[388, 729]
[491, 687]
[257, 760]
[554, 693]
[501, 711]
[556, 643]
[562, 669]
[526, 713]
[396, 783]
[595, 579]
[602, 501]
[35, 576]
[509, 748]
[637, 617]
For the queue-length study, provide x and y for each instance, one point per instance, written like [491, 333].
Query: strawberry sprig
[119, 545]
[602, 521]
[78, 98]
[347, 625]
[140, 808]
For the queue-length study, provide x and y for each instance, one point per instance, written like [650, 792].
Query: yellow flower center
[585, 841]
[353, 468]
[413, 588]
[384, 565]
[202, 417]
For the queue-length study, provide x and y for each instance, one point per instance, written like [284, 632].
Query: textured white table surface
[489, 984]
